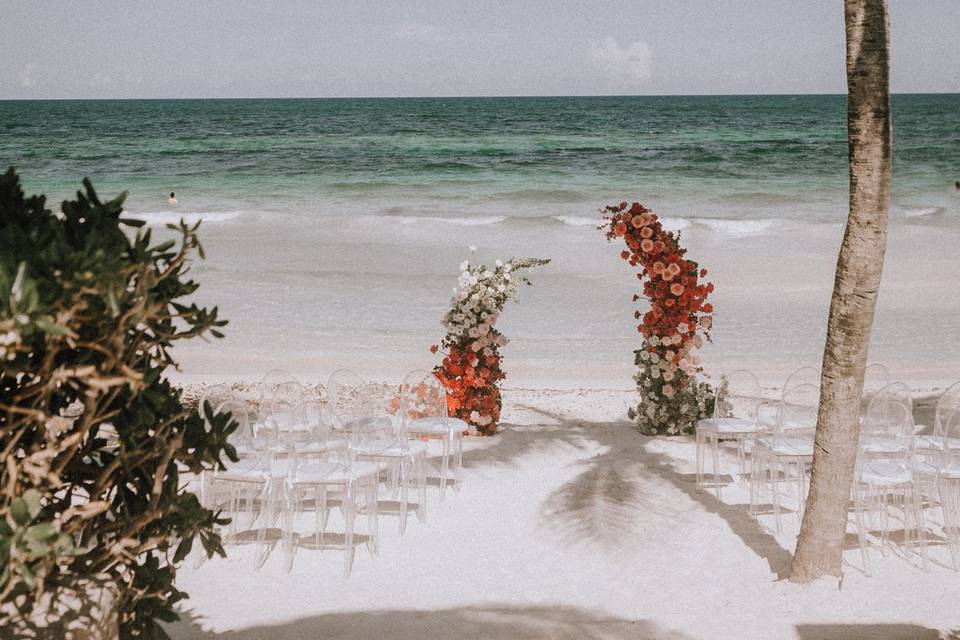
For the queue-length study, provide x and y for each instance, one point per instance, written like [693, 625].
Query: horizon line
[472, 97]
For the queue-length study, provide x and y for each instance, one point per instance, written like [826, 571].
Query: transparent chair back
[345, 399]
[283, 403]
[269, 384]
[215, 395]
[738, 396]
[288, 423]
[380, 426]
[947, 407]
[951, 443]
[797, 418]
[422, 396]
[277, 376]
[243, 437]
[887, 426]
[802, 376]
[875, 377]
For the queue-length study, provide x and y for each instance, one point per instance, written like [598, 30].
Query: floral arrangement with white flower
[672, 398]
[471, 368]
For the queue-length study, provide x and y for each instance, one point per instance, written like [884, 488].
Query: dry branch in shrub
[96, 444]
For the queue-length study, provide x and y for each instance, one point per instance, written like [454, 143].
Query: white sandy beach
[570, 524]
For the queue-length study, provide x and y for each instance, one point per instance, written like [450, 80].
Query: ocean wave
[579, 221]
[479, 221]
[540, 195]
[735, 227]
[716, 225]
[157, 218]
[921, 212]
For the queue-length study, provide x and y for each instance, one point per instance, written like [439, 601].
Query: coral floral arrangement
[672, 398]
[471, 369]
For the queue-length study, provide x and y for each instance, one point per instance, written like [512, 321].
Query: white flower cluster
[478, 301]
[676, 360]
[666, 406]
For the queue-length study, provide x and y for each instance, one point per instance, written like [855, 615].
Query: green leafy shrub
[94, 438]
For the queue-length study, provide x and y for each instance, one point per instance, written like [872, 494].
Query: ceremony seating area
[906, 490]
[309, 466]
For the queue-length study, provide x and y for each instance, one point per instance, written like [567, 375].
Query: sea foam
[157, 218]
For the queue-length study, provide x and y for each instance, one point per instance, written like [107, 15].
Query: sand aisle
[570, 525]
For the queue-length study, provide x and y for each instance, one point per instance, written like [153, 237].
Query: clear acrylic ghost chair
[346, 402]
[875, 377]
[735, 417]
[788, 449]
[423, 405]
[381, 437]
[268, 386]
[281, 404]
[947, 405]
[948, 482]
[243, 490]
[336, 479]
[804, 375]
[932, 449]
[215, 395]
[285, 414]
[218, 399]
[884, 479]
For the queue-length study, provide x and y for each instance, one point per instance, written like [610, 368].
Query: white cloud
[630, 64]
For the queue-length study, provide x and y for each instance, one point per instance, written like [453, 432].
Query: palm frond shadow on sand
[617, 492]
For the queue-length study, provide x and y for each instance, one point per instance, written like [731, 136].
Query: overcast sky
[327, 48]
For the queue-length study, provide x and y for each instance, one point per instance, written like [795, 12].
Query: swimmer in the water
[957, 184]
[172, 199]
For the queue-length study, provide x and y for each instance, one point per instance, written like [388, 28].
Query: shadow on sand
[870, 632]
[468, 623]
[608, 500]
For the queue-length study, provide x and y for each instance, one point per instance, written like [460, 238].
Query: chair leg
[698, 439]
[861, 529]
[756, 462]
[775, 477]
[458, 464]
[444, 465]
[741, 459]
[950, 509]
[420, 465]
[403, 497]
[289, 536]
[320, 515]
[715, 446]
[349, 511]
[918, 519]
[373, 522]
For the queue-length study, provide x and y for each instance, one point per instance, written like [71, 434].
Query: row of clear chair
[937, 465]
[898, 468]
[742, 414]
[368, 415]
[294, 453]
[885, 491]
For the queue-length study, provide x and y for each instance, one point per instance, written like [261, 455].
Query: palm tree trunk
[869, 131]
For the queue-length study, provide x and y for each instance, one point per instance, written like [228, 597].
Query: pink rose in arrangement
[677, 321]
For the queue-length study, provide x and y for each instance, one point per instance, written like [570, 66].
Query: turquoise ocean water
[334, 227]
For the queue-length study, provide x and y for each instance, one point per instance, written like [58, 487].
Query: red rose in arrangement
[470, 370]
[671, 397]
